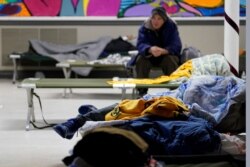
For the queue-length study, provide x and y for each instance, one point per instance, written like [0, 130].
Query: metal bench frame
[30, 84]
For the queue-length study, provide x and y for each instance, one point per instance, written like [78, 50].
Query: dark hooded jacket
[167, 37]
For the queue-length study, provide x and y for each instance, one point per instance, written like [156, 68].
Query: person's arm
[173, 41]
[143, 43]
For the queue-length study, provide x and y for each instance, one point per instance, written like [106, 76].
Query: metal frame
[15, 57]
[30, 94]
[68, 65]
[31, 84]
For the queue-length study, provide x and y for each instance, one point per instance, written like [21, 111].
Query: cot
[68, 65]
[65, 65]
[38, 59]
[30, 84]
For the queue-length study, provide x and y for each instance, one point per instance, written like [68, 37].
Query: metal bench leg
[123, 93]
[14, 57]
[67, 74]
[134, 93]
[15, 75]
[31, 113]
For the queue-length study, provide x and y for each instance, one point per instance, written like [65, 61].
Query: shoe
[84, 109]
[67, 129]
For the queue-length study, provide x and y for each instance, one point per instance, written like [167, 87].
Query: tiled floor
[42, 148]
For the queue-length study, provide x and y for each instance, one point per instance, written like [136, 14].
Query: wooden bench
[30, 84]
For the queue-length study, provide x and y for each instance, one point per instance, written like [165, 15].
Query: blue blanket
[213, 95]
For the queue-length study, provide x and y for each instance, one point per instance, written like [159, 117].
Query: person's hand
[163, 51]
[157, 51]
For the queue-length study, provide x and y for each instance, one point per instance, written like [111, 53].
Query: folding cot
[65, 65]
[100, 64]
[68, 65]
[34, 57]
[30, 84]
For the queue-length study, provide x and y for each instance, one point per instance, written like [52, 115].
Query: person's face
[157, 21]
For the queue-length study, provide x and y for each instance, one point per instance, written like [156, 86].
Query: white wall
[208, 36]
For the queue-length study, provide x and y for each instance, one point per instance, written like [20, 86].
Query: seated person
[158, 44]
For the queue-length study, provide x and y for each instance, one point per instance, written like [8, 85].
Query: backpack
[189, 53]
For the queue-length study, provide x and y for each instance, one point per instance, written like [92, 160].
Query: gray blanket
[85, 51]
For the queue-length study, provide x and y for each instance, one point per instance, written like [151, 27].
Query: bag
[190, 53]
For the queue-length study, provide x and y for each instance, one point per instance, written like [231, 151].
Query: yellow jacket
[164, 106]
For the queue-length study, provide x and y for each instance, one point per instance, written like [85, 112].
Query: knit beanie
[161, 12]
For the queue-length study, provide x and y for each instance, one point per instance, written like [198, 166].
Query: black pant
[96, 115]
[168, 64]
